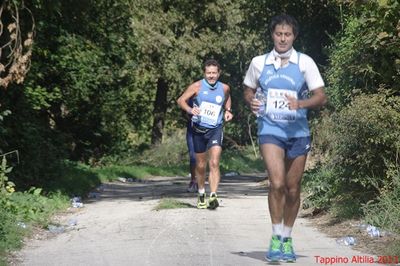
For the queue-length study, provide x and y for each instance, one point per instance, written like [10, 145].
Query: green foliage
[360, 145]
[25, 206]
[364, 56]
[22, 208]
[39, 98]
[319, 188]
[172, 151]
[86, 114]
[33, 207]
[10, 233]
[138, 171]
[384, 211]
[80, 79]
[75, 179]
[359, 141]
[39, 146]
[326, 189]
[77, 60]
[365, 137]
[241, 160]
[6, 186]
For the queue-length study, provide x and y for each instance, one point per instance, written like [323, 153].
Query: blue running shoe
[274, 253]
[288, 254]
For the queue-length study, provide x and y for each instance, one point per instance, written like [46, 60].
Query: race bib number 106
[209, 112]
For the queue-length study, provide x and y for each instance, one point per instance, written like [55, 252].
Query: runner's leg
[215, 175]
[295, 169]
[274, 159]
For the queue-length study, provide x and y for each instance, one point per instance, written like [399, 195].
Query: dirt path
[122, 228]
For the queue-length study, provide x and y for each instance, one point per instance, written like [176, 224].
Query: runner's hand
[228, 116]
[293, 103]
[255, 105]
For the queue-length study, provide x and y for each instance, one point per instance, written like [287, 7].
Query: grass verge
[169, 203]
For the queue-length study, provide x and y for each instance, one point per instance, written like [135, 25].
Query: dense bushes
[359, 135]
[360, 147]
[18, 210]
[384, 210]
[10, 234]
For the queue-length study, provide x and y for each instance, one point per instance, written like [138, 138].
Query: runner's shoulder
[195, 85]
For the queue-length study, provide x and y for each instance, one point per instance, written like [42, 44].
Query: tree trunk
[160, 109]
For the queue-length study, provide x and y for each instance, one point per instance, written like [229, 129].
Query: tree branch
[15, 53]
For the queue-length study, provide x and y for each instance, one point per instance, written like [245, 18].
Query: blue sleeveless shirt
[210, 100]
[279, 120]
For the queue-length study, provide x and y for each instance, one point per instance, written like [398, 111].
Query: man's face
[283, 38]
[211, 74]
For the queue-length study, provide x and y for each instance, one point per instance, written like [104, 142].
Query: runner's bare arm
[318, 99]
[249, 98]
[183, 100]
[228, 104]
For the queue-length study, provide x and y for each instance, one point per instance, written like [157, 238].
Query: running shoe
[288, 254]
[274, 253]
[201, 201]
[192, 187]
[213, 202]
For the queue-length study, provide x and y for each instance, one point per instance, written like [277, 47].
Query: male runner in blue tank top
[286, 77]
[211, 106]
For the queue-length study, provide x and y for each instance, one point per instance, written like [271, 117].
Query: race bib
[209, 113]
[278, 105]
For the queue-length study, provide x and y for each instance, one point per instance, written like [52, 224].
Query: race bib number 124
[278, 105]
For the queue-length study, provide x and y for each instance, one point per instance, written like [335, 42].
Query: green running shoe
[274, 253]
[213, 202]
[201, 201]
[288, 254]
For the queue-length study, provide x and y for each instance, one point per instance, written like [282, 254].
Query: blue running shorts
[204, 140]
[293, 147]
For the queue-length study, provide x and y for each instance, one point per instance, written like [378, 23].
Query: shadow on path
[235, 186]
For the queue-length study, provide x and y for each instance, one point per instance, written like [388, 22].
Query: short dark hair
[284, 19]
[211, 62]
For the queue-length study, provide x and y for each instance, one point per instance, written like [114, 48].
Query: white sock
[213, 194]
[287, 231]
[202, 190]
[277, 229]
